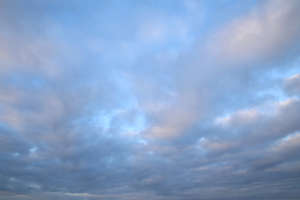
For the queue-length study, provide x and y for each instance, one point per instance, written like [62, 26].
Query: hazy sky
[149, 99]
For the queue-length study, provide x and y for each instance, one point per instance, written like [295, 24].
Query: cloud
[292, 84]
[149, 100]
[196, 87]
[265, 34]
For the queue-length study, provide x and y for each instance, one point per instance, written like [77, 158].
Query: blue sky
[162, 100]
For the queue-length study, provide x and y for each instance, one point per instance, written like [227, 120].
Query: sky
[149, 99]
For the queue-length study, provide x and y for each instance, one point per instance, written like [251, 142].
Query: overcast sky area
[149, 99]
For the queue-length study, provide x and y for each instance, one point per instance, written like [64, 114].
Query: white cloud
[292, 85]
[243, 116]
[287, 143]
[263, 34]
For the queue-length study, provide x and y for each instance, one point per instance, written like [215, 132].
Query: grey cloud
[292, 85]
[262, 36]
[55, 93]
[208, 80]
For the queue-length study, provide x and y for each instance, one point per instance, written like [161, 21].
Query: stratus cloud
[263, 35]
[252, 40]
[292, 85]
[288, 143]
[174, 119]
[64, 135]
[240, 117]
[33, 54]
[278, 121]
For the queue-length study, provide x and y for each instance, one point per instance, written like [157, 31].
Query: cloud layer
[149, 100]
